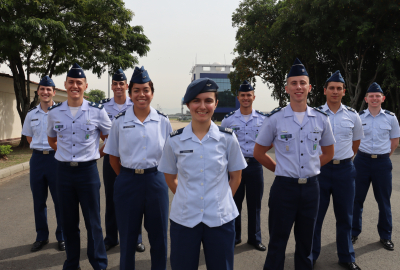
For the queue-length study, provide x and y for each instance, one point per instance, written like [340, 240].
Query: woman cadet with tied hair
[201, 156]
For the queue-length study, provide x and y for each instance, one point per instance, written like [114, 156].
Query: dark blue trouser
[252, 185]
[111, 220]
[135, 196]
[43, 176]
[81, 185]
[378, 172]
[218, 244]
[290, 202]
[338, 180]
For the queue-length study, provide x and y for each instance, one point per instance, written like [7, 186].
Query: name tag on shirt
[110, 116]
[235, 128]
[186, 151]
[34, 119]
[59, 126]
[286, 136]
[129, 126]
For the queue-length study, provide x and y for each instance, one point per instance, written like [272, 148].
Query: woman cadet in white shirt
[201, 156]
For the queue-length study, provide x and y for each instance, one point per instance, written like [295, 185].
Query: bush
[5, 150]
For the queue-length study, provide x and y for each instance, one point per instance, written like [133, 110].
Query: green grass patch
[17, 156]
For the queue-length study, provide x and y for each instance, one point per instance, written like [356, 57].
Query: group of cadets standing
[216, 167]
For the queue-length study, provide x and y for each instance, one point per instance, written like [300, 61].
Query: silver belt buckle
[73, 164]
[139, 171]
[247, 160]
[302, 181]
[46, 152]
[336, 161]
[374, 156]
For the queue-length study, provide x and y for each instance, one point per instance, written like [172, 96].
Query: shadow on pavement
[13, 252]
[40, 261]
[367, 248]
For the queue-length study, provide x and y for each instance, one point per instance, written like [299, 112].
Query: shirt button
[202, 184]
[73, 132]
[301, 141]
[301, 128]
[302, 167]
[144, 158]
[201, 210]
[73, 156]
[144, 147]
[302, 154]
[201, 170]
[201, 197]
[73, 122]
[201, 156]
[144, 136]
[73, 145]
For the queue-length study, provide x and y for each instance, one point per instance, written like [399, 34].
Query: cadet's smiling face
[119, 88]
[141, 95]
[246, 99]
[298, 88]
[334, 92]
[46, 93]
[75, 87]
[202, 107]
[374, 99]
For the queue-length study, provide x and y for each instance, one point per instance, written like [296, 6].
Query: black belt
[142, 171]
[77, 164]
[297, 180]
[250, 159]
[372, 155]
[45, 152]
[336, 161]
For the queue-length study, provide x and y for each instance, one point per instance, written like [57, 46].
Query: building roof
[32, 82]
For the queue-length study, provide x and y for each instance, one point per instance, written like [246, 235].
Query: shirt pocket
[313, 142]
[384, 130]
[36, 127]
[61, 129]
[88, 131]
[256, 130]
[366, 129]
[285, 144]
[346, 130]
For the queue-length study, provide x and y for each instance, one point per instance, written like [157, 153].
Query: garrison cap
[245, 87]
[336, 77]
[140, 76]
[76, 72]
[374, 87]
[47, 81]
[199, 86]
[119, 76]
[298, 69]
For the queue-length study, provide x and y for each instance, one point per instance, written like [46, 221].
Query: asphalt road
[17, 233]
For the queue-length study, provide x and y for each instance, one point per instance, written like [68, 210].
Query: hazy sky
[178, 30]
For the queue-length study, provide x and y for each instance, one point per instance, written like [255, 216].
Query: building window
[225, 97]
[206, 68]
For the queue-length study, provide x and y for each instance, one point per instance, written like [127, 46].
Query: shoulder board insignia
[176, 132]
[320, 107]
[230, 114]
[259, 112]
[31, 109]
[318, 110]
[351, 109]
[96, 105]
[389, 112]
[361, 113]
[277, 109]
[118, 115]
[160, 113]
[105, 100]
[225, 130]
[55, 106]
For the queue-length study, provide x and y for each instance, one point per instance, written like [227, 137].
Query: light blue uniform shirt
[78, 137]
[346, 127]
[246, 132]
[296, 145]
[112, 108]
[203, 193]
[35, 126]
[138, 145]
[378, 131]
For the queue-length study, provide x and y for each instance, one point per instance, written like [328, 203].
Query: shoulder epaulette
[105, 100]
[318, 110]
[55, 106]
[320, 107]
[230, 114]
[176, 132]
[118, 115]
[351, 109]
[160, 113]
[96, 105]
[389, 112]
[31, 109]
[362, 112]
[259, 112]
[277, 109]
[225, 130]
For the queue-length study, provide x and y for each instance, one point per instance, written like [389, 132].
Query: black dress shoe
[140, 247]
[237, 242]
[354, 239]
[349, 265]
[108, 247]
[38, 245]
[388, 244]
[258, 246]
[61, 245]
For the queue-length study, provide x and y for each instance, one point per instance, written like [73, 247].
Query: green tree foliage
[4, 151]
[360, 38]
[95, 95]
[45, 37]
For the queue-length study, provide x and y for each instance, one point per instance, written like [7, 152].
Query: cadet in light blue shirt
[373, 164]
[135, 146]
[246, 123]
[338, 176]
[42, 167]
[296, 132]
[196, 162]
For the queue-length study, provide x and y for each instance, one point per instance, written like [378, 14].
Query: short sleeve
[358, 132]
[236, 160]
[26, 128]
[168, 159]
[50, 123]
[395, 132]
[112, 145]
[169, 127]
[104, 122]
[327, 137]
[266, 135]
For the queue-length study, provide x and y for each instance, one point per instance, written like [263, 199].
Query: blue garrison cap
[245, 87]
[47, 81]
[374, 87]
[76, 72]
[199, 86]
[298, 69]
[140, 76]
[336, 77]
[119, 76]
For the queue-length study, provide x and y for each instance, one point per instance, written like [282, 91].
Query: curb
[14, 169]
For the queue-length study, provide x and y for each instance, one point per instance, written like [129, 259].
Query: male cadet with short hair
[373, 164]
[73, 130]
[337, 178]
[113, 106]
[246, 122]
[42, 167]
[295, 131]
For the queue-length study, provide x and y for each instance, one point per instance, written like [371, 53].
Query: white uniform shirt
[35, 126]
[77, 137]
[112, 108]
[139, 145]
[296, 145]
[203, 193]
[378, 131]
